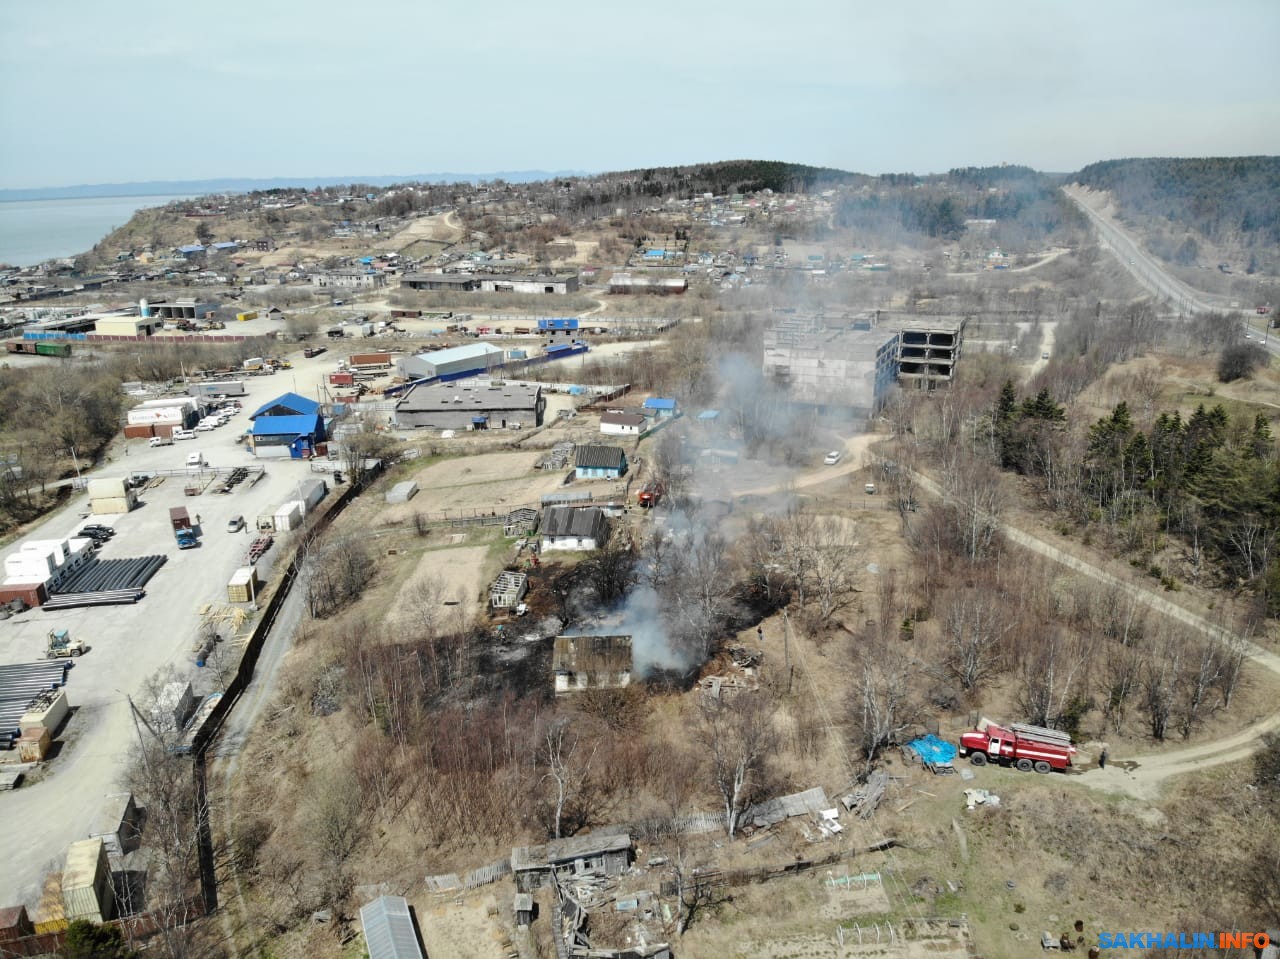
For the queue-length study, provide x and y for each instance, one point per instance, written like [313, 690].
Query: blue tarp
[934, 751]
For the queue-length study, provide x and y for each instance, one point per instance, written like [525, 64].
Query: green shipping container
[53, 349]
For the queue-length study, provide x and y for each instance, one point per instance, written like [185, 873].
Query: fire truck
[649, 495]
[1018, 744]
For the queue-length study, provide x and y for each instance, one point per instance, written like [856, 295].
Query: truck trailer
[183, 532]
[1023, 746]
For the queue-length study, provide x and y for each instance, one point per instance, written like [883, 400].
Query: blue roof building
[287, 404]
[660, 407]
[294, 437]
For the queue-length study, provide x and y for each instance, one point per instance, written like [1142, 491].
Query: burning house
[591, 662]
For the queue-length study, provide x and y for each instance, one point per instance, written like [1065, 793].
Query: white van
[195, 460]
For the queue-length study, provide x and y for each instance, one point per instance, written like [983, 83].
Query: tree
[1240, 360]
[86, 940]
[974, 628]
[568, 769]
[879, 708]
[737, 735]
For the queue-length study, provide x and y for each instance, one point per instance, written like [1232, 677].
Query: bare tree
[880, 707]
[567, 764]
[974, 627]
[738, 736]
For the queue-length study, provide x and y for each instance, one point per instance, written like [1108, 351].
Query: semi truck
[183, 532]
[1023, 746]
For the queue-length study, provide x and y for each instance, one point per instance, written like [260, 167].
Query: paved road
[1144, 268]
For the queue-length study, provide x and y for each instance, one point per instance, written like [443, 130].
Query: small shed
[389, 931]
[520, 522]
[243, 586]
[402, 492]
[508, 589]
[523, 908]
[16, 924]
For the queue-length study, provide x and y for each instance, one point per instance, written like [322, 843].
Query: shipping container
[113, 505]
[342, 379]
[243, 586]
[106, 488]
[173, 707]
[50, 914]
[247, 315]
[33, 594]
[217, 388]
[313, 491]
[116, 824]
[86, 882]
[33, 745]
[53, 349]
[47, 712]
[141, 431]
[370, 359]
[179, 518]
[289, 516]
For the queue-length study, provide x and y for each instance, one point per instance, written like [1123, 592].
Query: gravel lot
[131, 643]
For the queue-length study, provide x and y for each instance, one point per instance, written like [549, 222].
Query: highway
[1144, 268]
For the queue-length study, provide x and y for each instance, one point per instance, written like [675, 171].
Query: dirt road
[1144, 775]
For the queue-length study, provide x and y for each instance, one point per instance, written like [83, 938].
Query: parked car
[833, 457]
[97, 529]
[206, 426]
[183, 434]
[195, 460]
[235, 524]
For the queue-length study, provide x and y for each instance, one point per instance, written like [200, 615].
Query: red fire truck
[1018, 744]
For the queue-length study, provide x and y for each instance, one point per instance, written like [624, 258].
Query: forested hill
[734, 176]
[1223, 198]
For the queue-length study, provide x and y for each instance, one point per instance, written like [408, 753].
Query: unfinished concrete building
[842, 368]
[928, 349]
[591, 662]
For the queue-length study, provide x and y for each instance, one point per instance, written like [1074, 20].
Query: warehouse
[555, 284]
[471, 405]
[295, 437]
[287, 404]
[453, 363]
[125, 325]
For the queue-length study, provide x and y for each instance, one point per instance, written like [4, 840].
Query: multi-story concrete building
[840, 368]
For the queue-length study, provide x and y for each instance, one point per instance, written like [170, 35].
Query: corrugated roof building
[457, 361]
[594, 461]
[574, 527]
[388, 929]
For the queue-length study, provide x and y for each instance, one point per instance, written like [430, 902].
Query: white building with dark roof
[471, 405]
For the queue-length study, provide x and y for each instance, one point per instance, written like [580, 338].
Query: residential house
[591, 662]
[618, 423]
[657, 406]
[606, 851]
[599, 462]
[574, 527]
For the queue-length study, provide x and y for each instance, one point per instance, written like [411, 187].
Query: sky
[94, 92]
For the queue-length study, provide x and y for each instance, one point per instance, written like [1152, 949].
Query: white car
[205, 426]
[833, 457]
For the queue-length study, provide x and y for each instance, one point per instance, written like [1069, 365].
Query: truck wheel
[978, 759]
[1043, 767]
[1024, 765]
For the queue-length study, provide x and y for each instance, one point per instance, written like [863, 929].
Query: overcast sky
[97, 92]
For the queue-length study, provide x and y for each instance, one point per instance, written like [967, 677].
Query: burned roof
[596, 657]
[576, 521]
[595, 456]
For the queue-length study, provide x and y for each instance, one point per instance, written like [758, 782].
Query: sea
[32, 231]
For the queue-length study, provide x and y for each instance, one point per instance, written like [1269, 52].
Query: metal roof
[468, 351]
[286, 426]
[289, 401]
[659, 403]
[595, 456]
[388, 929]
[576, 521]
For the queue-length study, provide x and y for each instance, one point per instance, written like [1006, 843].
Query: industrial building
[288, 426]
[591, 662]
[350, 279]
[161, 417]
[574, 527]
[183, 308]
[839, 368]
[599, 462]
[453, 363]
[928, 349]
[659, 285]
[552, 283]
[471, 405]
[39, 567]
[126, 323]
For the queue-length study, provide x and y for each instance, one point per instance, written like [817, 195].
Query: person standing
[1102, 758]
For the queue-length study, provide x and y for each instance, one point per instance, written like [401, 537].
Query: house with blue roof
[288, 426]
[659, 407]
